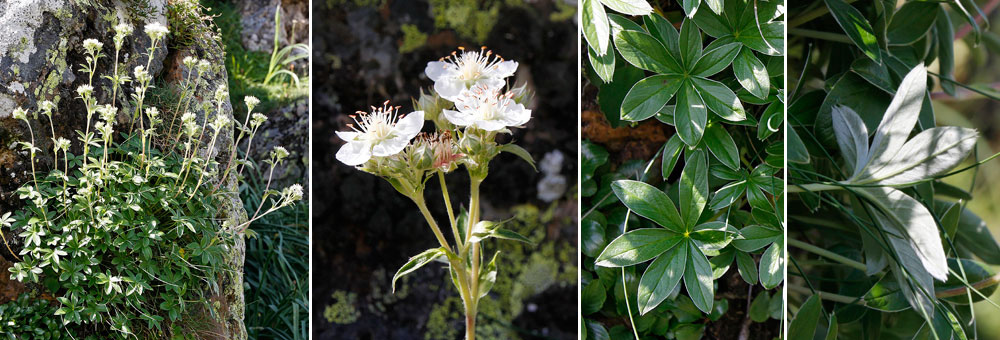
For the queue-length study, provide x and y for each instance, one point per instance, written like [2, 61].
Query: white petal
[490, 125]
[516, 115]
[390, 146]
[354, 153]
[503, 70]
[458, 118]
[410, 125]
[347, 136]
[436, 69]
[449, 88]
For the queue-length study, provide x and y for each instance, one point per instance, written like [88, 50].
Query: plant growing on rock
[470, 106]
[127, 236]
[726, 110]
[884, 244]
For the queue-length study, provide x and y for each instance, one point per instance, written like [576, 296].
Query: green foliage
[728, 196]
[28, 318]
[131, 238]
[878, 230]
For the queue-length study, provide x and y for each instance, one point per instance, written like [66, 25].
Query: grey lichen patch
[21, 19]
[6, 105]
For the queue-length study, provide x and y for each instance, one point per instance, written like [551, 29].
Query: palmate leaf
[649, 202]
[717, 57]
[645, 52]
[660, 278]
[630, 7]
[649, 95]
[690, 114]
[752, 74]
[911, 22]
[710, 237]
[698, 279]
[772, 264]
[637, 246]
[804, 325]
[721, 145]
[690, 44]
[900, 214]
[693, 189]
[891, 159]
[719, 99]
[604, 65]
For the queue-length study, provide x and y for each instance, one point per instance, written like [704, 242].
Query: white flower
[292, 193]
[190, 61]
[251, 102]
[108, 113]
[257, 118]
[62, 144]
[379, 133]
[123, 29]
[20, 113]
[85, 90]
[92, 46]
[456, 72]
[203, 65]
[487, 109]
[221, 93]
[138, 180]
[221, 122]
[279, 153]
[156, 30]
[47, 106]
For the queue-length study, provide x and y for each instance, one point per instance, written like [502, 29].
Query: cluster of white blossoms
[380, 133]
[474, 81]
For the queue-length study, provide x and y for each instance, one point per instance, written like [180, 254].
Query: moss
[439, 321]
[413, 38]
[342, 310]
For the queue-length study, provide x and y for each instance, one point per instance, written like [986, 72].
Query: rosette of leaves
[715, 75]
[880, 235]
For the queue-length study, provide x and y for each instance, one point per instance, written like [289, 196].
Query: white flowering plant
[130, 236]
[470, 105]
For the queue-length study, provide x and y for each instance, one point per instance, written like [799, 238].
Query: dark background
[363, 230]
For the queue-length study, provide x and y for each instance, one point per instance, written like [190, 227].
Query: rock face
[40, 53]
[257, 21]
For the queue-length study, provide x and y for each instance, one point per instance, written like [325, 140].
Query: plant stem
[813, 187]
[459, 242]
[987, 282]
[827, 254]
[835, 37]
[809, 16]
[827, 296]
[419, 200]
[471, 305]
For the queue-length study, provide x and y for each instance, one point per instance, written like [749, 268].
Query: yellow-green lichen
[471, 19]
[381, 296]
[342, 310]
[413, 38]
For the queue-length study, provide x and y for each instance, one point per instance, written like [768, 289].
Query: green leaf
[747, 267]
[648, 96]
[715, 5]
[975, 272]
[721, 263]
[690, 44]
[664, 31]
[698, 279]
[831, 330]
[715, 59]
[596, 29]
[620, 23]
[690, 331]
[797, 152]
[804, 325]
[593, 157]
[637, 246]
[671, 153]
[592, 297]
[690, 7]
[509, 235]
[758, 308]
[416, 262]
[596, 331]
[728, 194]
[488, 276]
[975, 236]
[722, 146]
[752, 74]
[519, 152]
[912, 22]
[899, 213]
[630, 7]
[720, 99]
[612, 94]
[755, 237]
[649, 202]
[771, 120]
[645, 52]
[603, 65]
[690, 115]
[857, 28]
[592, 234]
[886, 296]
[946, 50]
[693, 189]
[772, 263]
[712, 236]
[660, 278]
